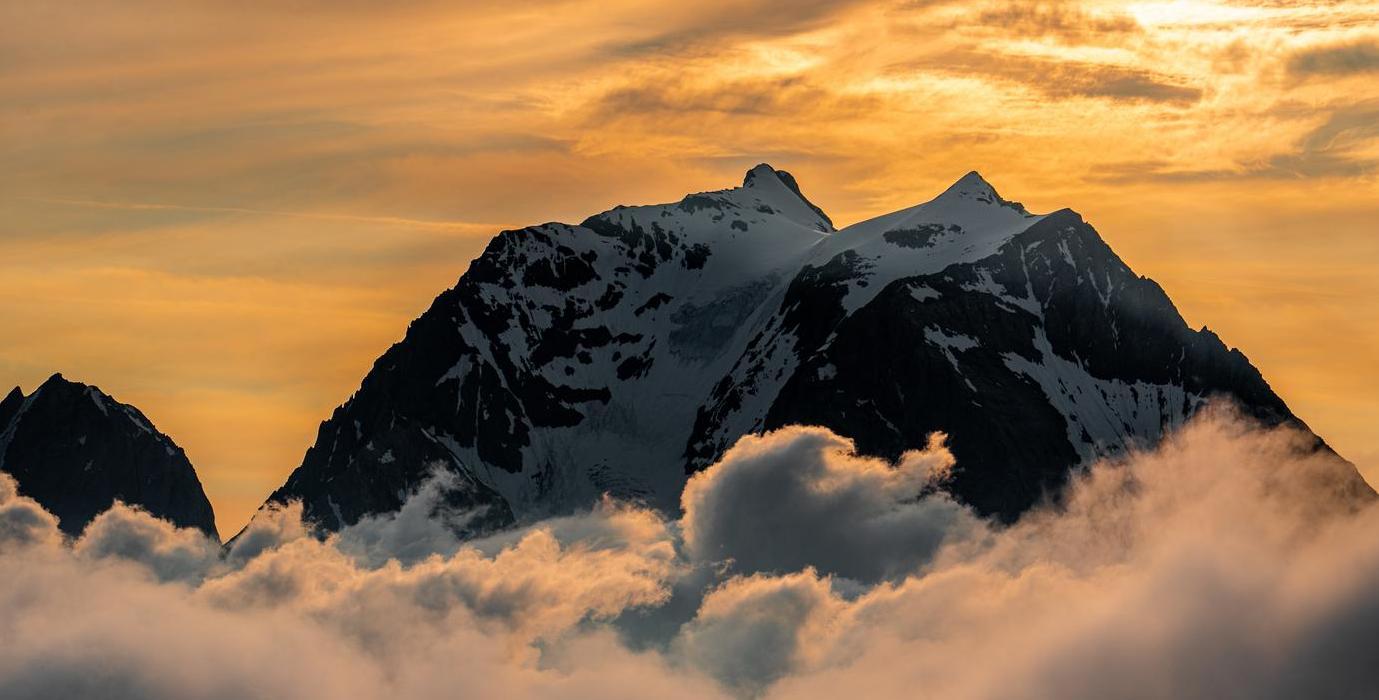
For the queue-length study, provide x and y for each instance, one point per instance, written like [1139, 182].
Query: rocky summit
[76, 450]
[622, 354]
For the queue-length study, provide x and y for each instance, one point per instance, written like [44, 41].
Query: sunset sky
[222, 216]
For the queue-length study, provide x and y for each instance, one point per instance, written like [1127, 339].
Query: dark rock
[76, 451]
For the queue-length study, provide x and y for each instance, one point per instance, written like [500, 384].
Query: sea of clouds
[1231, 561]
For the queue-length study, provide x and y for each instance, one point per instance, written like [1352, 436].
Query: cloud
[301, 618]
[1062, 20]
[1090, 80]
[1336, 59]
[1231, 561]
[758, 97]
[752, 631]
[132, 534]
[1063, 77]
[1215, 566]
[23, 523]
[801, 497]
[272, 527]
[423, 526]
[722, 20]
[1343, 146]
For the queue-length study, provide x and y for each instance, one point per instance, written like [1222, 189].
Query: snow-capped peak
[754, 177]
[971, 186]
[779, 189]
[611, 357]
[967, 222]
[971, 204]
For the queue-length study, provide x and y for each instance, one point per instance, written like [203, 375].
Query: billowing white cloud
[271, 527]
[23, 523]
[1229, 562]
[802, 497]
[753, 630]
[171, 554]
[420, 528]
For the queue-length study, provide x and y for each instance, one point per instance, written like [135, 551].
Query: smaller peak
[973, 179]
[763, 176]
[16, 395]
[972, 186]
[760, 170]
[55, 380]
[10, 406]
[59, 385]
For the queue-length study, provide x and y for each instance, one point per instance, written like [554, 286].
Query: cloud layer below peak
[1228, 562]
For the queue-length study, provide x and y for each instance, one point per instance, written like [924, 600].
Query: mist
[1231, 561]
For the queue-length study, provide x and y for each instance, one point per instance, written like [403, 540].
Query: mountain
[76, 450]
[623, 354]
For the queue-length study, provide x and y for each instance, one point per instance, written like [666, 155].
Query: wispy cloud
[1337, 59]
[478, 229]
[1063, 77]
[1343, 146]
[1062, 20]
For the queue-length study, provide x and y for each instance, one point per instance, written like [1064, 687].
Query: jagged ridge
[76, 450]
[621, 354]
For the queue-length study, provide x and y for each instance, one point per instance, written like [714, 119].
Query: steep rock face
[622, 354]
[567, 362]
[76, 450]
[1048, 354]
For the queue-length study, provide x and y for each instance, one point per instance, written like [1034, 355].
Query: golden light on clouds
[222, 212]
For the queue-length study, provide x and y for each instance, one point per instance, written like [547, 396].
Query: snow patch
[922, 293]
[1104, 416]
[97, 399]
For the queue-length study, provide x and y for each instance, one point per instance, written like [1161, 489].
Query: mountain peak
[672, 330]
[75, 450]
[974, 178]
[60, 386]
[9, 407]
[758, 171]
[975, 196]
[765, 177]
[972, 186]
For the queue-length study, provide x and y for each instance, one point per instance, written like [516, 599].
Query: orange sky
[223, 212]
